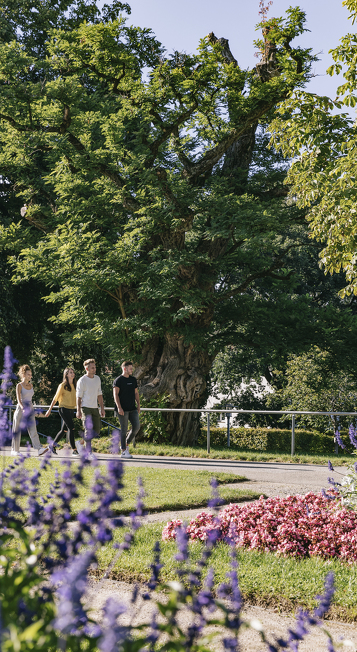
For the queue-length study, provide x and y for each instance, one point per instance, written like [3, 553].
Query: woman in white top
[24, 394]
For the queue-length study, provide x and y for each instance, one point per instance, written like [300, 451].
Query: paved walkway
[275, 624]
[313, 476]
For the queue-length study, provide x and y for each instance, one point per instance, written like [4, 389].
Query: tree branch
[214, 155]
[267, 272]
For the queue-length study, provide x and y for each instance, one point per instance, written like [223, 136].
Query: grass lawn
[264, 578]
[142, 448]
[166, 489]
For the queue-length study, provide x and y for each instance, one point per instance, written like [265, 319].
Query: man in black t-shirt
[127, 405]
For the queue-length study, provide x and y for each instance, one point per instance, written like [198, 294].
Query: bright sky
[180, 24]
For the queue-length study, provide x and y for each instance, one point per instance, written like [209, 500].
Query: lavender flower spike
[71, 617]
[352, 435]
[330, 467]
[339, 440]
[326, 598]
[114, 634]
[182, 543]
[5, 401]
[325, 495]
[215, 501]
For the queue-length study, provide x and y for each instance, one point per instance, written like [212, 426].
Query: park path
[275, 624]
[291, 475]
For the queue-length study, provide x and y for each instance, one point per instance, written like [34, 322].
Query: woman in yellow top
[66, 397]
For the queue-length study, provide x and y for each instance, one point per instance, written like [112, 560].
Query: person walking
[89, 393]
[126, 394]
[24, 394]
[66, 397]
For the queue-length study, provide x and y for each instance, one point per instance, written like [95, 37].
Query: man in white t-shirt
[89, 394]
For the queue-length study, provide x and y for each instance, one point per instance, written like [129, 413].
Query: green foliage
[322, 138]
[22, 581]
[313, 385]
[153, 424]
[132, 225]
[272, 440]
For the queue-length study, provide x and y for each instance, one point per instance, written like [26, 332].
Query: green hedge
[273, 439]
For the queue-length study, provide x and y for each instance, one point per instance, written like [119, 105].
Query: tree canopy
[322, 139]
[131, 171]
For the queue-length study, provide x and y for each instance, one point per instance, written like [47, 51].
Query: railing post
[208, 433]
[229, 414]
[293, 434]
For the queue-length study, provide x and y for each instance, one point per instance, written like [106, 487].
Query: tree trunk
[173, 368]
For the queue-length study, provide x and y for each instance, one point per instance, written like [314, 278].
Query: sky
[180, 24]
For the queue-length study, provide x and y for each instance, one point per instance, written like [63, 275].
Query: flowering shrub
[44, 567]
[301, 526]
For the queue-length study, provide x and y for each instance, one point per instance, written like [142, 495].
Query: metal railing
[229, 412]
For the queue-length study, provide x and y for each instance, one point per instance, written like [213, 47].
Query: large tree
[132, 169]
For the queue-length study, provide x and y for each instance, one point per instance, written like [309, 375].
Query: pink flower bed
[301, 526]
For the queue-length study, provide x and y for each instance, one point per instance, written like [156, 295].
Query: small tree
[315, 384]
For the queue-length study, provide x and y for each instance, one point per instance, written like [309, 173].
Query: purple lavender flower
[156, 567]
[325, 495]
[330, 467]
[352, 435]
[339, 440]
[326, 598]
[71, 616]
[215, 501]
[6, 382]
[355, 467]
[154, 631]
[182, 543]
[115, 442]
[205, 596]
[231, 644]
[114, 634]
[297, 634]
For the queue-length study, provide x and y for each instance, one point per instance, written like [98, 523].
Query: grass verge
[101, 445]
[166, 489]
[264, 578]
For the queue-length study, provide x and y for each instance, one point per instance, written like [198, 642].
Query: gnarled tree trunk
[171, 367]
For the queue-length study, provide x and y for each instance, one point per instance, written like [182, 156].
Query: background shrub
[274, 440]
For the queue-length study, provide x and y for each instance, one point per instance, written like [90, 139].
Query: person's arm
[18, 395]
[54, 400]
[117, 401]
[50, 408]
[79, 396]
[101, 403]
[79, 407]
[137, 398]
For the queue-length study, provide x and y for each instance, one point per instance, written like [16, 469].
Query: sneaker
[126, 454]
[14, 453]
[42, 450]
[75, 452]
[79, 447]
[54, 450]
